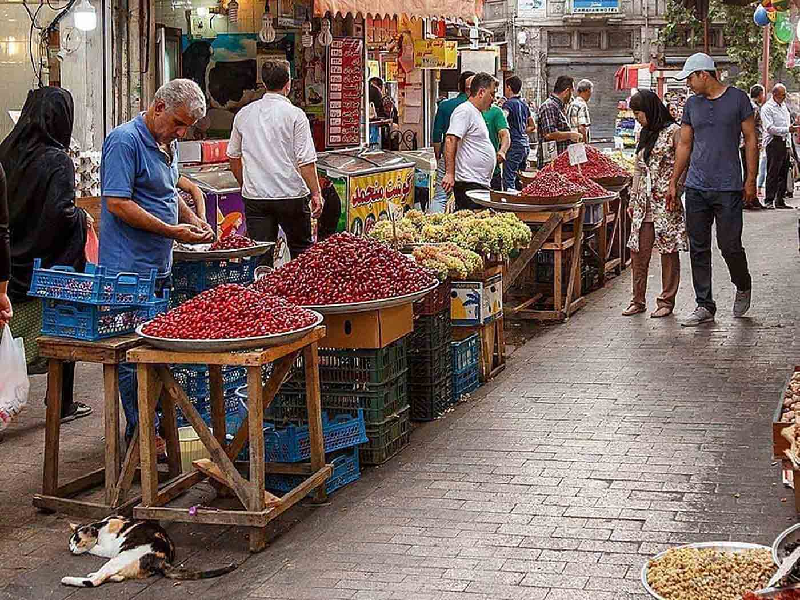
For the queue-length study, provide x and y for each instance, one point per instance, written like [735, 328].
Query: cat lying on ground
[137, 549]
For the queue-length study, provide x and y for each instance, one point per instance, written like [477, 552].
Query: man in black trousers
[777, 128]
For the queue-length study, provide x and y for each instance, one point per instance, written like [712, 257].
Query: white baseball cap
[696, 62]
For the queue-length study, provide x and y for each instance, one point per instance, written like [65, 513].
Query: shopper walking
[441, 123]
[6, 312]
[655, 222]
[470, 157]
[521, 124]
[777, 127]
[578, 112]
[552, 125]
[713, 120]
[757, 99]
[42, 218]
[273, 157]
[497, 125]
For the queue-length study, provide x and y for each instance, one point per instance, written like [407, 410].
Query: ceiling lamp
[85, 16]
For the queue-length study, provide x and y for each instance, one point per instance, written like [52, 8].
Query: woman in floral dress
[655, 223]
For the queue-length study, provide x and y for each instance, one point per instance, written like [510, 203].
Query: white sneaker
[741, 303]
[699, 316]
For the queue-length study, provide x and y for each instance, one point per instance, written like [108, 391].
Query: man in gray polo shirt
[712, 123]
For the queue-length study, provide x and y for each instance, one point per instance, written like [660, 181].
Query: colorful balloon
[760, 17]
[784, 31]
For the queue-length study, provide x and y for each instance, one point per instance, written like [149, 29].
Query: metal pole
[765, 56]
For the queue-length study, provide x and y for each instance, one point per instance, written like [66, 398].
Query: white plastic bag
[14, 384]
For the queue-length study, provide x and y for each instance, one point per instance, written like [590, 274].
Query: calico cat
[137, 549]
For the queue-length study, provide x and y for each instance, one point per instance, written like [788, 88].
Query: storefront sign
[345, 92]
[532, 8]
[435, 54]
[391, 71]
[595, 6]
[369, 195]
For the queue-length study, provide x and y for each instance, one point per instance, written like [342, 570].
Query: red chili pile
[344, 269]
[549, 184]
[599, 165]
[591, 189]
[229, 311]
[232, 241]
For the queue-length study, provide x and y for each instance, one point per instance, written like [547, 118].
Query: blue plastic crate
[346, 470]
[203, 406]
[92, 322]
[199, 276]
[195, 382]
[293, 443]
[92, 287]
[465, 382]
[466, 353]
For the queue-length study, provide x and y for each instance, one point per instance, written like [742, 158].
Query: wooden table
[260, 506]
[118, 479]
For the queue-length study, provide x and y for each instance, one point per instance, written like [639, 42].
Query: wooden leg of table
[255, 419]
[111, 419]
[147, 442]
[574, 285]
[55, 377]
[602, 244]
[314, 408]
[169, 424]
[128, 470]
[558, 267]
[217, 403]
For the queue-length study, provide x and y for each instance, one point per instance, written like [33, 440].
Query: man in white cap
[713, 120]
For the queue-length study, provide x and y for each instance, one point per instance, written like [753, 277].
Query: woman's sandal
[663, 311]
[633, 309]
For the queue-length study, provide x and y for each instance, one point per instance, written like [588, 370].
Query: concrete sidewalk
[606, 440]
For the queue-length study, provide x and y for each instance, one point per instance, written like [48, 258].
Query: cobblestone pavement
[606, 440]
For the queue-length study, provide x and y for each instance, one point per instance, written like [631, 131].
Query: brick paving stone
[606, 440]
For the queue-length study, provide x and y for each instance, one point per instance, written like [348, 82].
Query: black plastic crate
[430, 367]
[434, 302]
[430, 332]
[386, 439]
[429, 402]
[356, 367]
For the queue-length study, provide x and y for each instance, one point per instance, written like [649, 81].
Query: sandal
[633, 309]
[663, 311]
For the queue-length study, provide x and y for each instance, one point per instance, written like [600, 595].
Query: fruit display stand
[783, 434]
[260, 507]
[116, 475]
[560, 230]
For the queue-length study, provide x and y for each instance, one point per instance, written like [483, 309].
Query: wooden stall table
[118, 479]
[551, 221]
[260, 507]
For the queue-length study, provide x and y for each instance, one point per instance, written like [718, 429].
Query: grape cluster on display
[344, 269]
[229, 311]
[449, 261]
[233, 241]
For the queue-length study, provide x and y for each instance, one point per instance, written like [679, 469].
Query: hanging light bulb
[325, 38]
[85, 16]
[233, 11]
[267, 34]
[307, 39]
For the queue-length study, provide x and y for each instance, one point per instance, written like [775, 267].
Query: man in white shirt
[578, 111]
[273, 158]
[470, 157]
[777, 127]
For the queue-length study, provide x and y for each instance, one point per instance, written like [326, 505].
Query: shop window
[620, 39]
[589, 40]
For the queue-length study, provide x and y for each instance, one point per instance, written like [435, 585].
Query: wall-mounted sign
[532, 8]
[345, 92]
[595, 6]
[435, 54]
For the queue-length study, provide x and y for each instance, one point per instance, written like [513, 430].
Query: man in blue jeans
[520, 124]
[142, 213]
[712, 123]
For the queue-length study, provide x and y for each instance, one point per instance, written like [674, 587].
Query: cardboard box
[476, 302]
[372, 329]
[214, 151]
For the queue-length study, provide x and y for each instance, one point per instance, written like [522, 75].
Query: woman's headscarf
[658, 118]
[40, 180]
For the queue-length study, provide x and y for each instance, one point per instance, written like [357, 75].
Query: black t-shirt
[376, 98]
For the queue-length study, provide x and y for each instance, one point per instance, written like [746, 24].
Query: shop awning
[450, 9]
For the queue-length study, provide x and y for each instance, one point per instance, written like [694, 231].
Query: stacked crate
[430, 387]
[368, 381]
[466, 366]
[194, 380]
[189, 278]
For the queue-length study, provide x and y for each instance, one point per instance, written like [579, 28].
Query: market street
[606, 440]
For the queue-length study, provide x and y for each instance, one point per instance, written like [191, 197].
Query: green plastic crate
[386, 439]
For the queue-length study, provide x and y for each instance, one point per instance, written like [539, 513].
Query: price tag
[395, 211]
[619, 144]
[577, 154]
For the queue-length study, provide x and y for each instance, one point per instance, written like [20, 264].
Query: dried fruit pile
[229, 311]
[790, 594]
[709, 574]
[549, 184]
[343, 269]
[599, 165]
[591, 189]
[448, 260]
[233, 241]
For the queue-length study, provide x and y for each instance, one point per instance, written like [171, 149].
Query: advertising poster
[391, 71]
[532, 8]
[435, 54]
[345, 92]
[368, 196]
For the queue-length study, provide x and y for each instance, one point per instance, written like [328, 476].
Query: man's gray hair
[778, 87]
[183, 93]
[584, 85]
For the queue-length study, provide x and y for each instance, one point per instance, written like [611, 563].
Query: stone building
[587, 39]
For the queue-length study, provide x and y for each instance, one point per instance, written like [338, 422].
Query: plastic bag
[92, 249]
[14, 384]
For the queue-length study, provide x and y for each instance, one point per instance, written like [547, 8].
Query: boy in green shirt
[497, 125]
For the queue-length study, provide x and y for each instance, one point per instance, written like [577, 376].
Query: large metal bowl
[228, 345]
[598, 200]
[356, 307]
[483, 198]
[779, 552]
[201, 252]
[721, 546]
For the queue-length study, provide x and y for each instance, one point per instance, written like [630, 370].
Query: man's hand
[672, 194]
[316, 204]
[199, 202]
[6, 312]
[448, 182]
[191, 234]
[576, 136]
[674, 201]
[501, 157]
[208, 229]
[750, 191]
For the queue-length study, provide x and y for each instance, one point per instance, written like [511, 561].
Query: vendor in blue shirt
[142, 213]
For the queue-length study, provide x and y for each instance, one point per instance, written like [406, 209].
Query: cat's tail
[186, 575]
